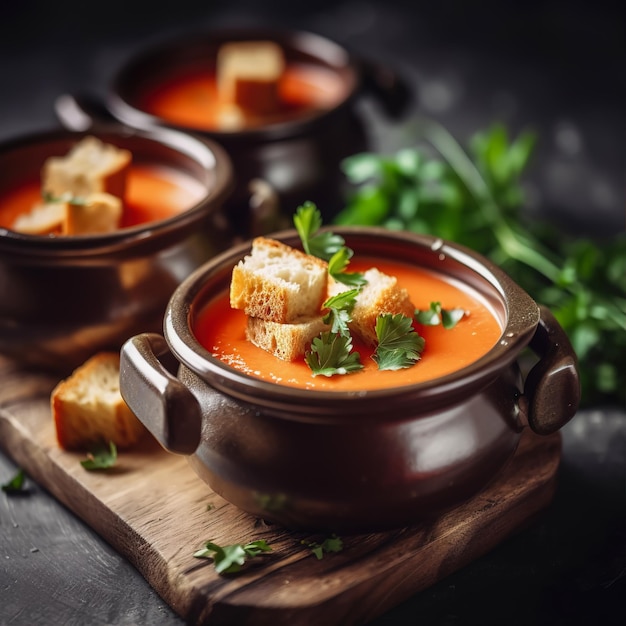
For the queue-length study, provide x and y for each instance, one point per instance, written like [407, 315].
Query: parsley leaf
[337, 265]
[230, 559]
[308, 220]
[101, 457]
[330, 544]
[16, 484]
[436, 315]
[340, 307]
[331, 354]
[399, 346]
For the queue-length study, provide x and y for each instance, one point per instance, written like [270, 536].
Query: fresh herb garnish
[339, 310]
[308, 221]
[399, 345]
[326, 245]
[64, 197]
[332, 354]
[16, 484]
[474, 197]
[330, 544]
[436, 315]
[230, 559]
[101, 457]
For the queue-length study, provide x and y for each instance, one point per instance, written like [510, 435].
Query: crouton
[380, 295]
[285, 341]
[278, 283]
[99, 213]
[46, 218]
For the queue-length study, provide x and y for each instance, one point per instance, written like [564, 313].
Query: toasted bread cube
[88, 409]
[91, 166]
[278, 283]
[380, 295]
[285, 341]
[43, 219]
[248, 75]
[100, 213]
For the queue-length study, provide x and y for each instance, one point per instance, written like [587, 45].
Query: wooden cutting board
[153, 509]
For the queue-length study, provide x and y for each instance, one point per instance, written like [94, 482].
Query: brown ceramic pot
[353, 461]
[280, 165]
[64, 298]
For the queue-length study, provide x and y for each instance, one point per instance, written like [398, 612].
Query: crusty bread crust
[278, 283]
[285, 341]
[91, 166]
[380, 295]
[88, 409]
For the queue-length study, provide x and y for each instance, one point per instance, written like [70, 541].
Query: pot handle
[552, 387]
[390, 89]
[82, 112]
[162, 403]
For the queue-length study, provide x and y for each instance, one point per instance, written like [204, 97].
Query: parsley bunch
[474, 196]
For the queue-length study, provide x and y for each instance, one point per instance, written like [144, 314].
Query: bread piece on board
[248, 75]
[90, 166]
[285, 341]
[88, 409]
[380, 295]
[278, 283]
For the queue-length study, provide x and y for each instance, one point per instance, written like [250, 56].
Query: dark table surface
[554, 66]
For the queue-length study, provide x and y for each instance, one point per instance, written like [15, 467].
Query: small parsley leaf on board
[16, 484]
[101, 457]
[230, 559]
[330, 544]
[399, 345]
[331, 354]
[436, 315]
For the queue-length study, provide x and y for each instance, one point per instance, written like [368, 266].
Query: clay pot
[65, 298]
[353, 461]
[282, 164]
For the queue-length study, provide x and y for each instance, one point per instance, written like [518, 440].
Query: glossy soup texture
[153, 193]
[221, 330]
[191, 100]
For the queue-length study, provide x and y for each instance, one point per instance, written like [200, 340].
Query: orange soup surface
[221, 330]
[191, 100]
[152, 193]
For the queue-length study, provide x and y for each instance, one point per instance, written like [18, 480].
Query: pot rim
[522, 318]
[324, 50]
[207, 153]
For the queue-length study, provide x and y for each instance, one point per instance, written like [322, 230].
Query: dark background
[556, 67]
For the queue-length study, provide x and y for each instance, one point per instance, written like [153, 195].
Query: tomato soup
[221, 330]
[191, 100]
[152, 193]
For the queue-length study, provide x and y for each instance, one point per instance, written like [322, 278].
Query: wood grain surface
[153, 509]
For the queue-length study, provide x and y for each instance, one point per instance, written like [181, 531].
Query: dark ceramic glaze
[353, 461]
[64, 298]
[280, 165]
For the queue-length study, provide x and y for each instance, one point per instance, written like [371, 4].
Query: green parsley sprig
[339, 311]
[101, 457]
[331, 353]
[399, 345]
[329, 544]
[474, 196]
[436, 315]
[16, 484]
[230, 559]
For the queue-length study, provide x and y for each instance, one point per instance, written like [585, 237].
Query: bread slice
[248, 75]
[88, 408]
[278, 283]
[285, 341]
[380, 295]
[91, 166]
